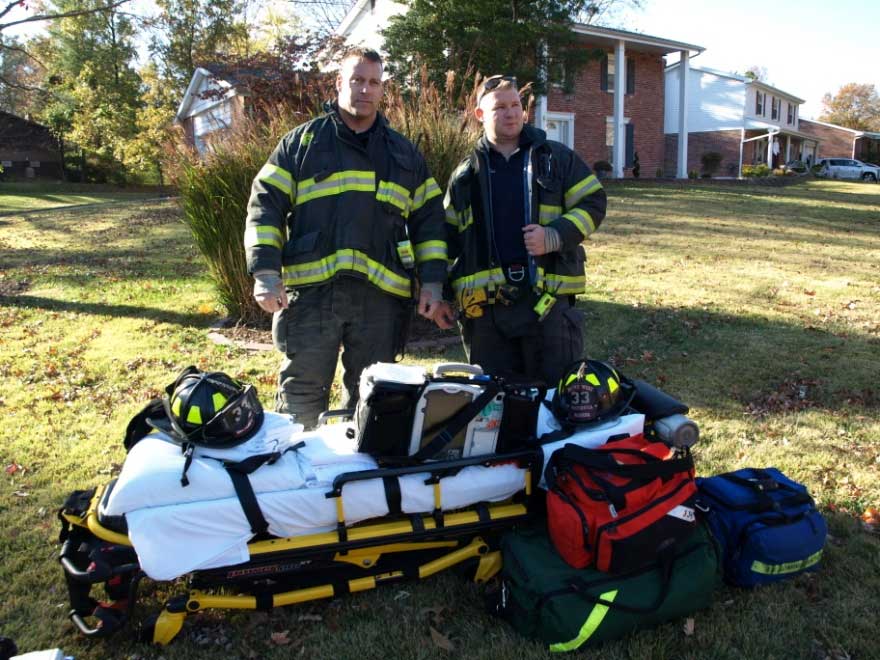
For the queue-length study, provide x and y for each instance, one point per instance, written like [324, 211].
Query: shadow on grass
[194, 319]
[120, 264]
[707, 358]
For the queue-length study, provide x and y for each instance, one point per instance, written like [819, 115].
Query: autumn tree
[855, 106]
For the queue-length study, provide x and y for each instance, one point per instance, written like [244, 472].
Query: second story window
[607, 74]
[790, 118]
[759, 104]
[775, 107]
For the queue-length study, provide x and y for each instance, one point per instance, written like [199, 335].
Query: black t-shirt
[508, 205]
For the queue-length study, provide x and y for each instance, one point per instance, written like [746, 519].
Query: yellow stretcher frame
[462, 532]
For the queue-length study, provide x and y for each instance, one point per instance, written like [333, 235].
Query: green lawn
[757, 306]
[27, 196]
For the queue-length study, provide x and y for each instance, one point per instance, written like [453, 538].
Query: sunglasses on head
[491, 83]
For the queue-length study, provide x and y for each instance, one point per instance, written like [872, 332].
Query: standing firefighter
[517, 209]
[342, 220]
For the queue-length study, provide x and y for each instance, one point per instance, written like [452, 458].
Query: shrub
[755, 170]
[602, 167]
[658, 173]
[637, 169]
[711, 161]
[438, 122]
[693, 174]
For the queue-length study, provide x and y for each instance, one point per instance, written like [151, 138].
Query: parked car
[848, 168]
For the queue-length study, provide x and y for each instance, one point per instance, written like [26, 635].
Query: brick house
[28, 149]
[612, 113]
[841, 142]
[747, 121]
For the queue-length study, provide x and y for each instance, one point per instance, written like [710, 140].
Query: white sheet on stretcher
[176, 530]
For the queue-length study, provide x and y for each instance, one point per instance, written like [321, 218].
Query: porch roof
[778, 130]
[608, 37]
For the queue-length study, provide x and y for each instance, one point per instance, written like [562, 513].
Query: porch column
[541, 112]
[619, 159]
[787, 148]
[770, 137]
[683, 69]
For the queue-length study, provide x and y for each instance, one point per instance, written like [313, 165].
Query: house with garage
[841, 142]
[28, 150]
[748, 122]
[613, 110]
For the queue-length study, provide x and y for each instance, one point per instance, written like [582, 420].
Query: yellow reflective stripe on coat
[591, 625]
[263, 235]
[313, 272]
[393, 193]
[278, 177]
[336, 184]
[425, 192]
[547, 213]
[431, 250]
[451, 216]
[582, 220]
[481, 280]
[560, 284]
[788, 567]
[581, 189]
[463, 219]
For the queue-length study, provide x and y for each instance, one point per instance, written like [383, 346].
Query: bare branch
[13, 85]
[23, 51]
[68, 14]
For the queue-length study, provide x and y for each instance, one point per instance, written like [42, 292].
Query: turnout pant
[511, 339]
[346, 312]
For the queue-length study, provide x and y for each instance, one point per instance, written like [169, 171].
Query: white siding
[715, 103]
[364, 28]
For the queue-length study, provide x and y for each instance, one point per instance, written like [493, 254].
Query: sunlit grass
[757, 307]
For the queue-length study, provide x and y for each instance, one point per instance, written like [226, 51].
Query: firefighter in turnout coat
[517, 210]
[344, 223]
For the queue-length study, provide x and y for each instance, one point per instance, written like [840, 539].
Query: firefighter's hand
[541, 240]
[534, 239]
[445, 316]
[430, 297]
[269, 291]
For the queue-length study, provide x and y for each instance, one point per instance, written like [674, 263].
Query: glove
[429, 298]
[269, 291]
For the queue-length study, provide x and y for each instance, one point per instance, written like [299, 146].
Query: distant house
[615, 108]
[841, 142]
[747, 121]
[28, 149]
[211, 104]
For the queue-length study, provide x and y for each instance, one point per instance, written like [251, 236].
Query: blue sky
[808, 47]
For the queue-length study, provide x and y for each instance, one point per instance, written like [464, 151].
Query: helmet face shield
[210, 409]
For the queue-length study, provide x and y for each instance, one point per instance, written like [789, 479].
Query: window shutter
[603, 75]
[630, 144]
[630, 76]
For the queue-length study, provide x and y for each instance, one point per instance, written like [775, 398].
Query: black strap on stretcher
[238, 472]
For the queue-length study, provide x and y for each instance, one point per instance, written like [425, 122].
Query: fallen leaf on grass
[441, 640]
[12, 468]
[281, 638]
[688, 627]
[21, 493]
